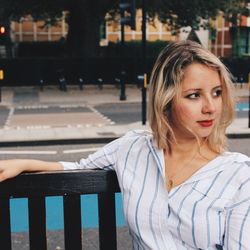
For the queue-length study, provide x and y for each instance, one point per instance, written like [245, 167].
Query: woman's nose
[208, 106]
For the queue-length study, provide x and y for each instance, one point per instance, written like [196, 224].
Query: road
[72, 115]
[76, 152]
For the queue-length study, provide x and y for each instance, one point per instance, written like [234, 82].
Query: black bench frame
[70, 185]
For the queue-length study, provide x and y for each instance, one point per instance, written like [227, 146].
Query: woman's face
[199, 106]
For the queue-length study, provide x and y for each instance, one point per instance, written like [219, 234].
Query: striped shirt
[210, 210]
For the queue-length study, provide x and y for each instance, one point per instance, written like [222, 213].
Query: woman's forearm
[12, 168]
[37, 165]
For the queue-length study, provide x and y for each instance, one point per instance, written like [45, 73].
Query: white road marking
[81, 150]
[23, 152]
[7, 122]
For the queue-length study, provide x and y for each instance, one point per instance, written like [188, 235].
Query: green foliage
[49, 11]
[176, 13]
[194, 13]
[234, 9]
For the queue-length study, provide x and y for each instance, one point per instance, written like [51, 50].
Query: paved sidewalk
[90, 240]
[28, 114]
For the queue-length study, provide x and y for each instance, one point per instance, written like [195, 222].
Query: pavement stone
[29, 114]
[55, 239]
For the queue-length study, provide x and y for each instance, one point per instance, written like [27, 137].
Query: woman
[181, 189]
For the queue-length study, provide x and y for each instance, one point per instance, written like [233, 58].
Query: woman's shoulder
[236, 157]
[135, 137]
[137, 133]
[239, 180]
[238, 163]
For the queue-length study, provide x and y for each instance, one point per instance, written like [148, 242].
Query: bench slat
[107, 221]
[37, 223]
[5, 232]
[60, 183]
[72, 222]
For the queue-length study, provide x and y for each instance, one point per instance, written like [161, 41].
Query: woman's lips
[206, 123]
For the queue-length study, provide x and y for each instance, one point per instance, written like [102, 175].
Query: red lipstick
[206, 123]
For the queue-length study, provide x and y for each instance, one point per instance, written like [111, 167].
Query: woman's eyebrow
[192, 89]
[219, 86]
[200, 89]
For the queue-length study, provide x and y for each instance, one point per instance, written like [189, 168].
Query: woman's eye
[193, 96]
[218, 92]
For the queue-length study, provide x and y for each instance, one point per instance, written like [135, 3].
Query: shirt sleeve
[104, 158]
[238, 215]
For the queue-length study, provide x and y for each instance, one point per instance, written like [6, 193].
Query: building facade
[222, 39]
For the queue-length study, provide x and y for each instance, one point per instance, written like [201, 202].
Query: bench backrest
[70, 185]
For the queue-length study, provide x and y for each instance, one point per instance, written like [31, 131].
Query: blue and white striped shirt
[210, 210]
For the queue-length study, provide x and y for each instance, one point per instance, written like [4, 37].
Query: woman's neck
[186, 147]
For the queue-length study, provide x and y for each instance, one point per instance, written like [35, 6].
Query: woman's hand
[12, 168]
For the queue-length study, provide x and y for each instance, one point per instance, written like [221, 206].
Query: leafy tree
[85, 16]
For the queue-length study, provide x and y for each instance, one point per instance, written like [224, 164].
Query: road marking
[101, 115]
[10, 152]
[32, 107]
[81, 150]
[7, 122]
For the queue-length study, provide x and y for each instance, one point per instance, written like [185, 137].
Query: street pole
[144, 100]
[122, 73]
[249, 100]
[144, 39]
[144, 59]
[248, 106]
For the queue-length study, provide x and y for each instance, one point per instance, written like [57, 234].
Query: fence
[70, 185]
[30, 71]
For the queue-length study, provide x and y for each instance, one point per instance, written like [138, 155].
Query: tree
[85, 16]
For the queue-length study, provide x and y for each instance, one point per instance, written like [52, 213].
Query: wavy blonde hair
[165, 84]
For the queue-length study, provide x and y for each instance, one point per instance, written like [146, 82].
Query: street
[76, 152]
[74, 115]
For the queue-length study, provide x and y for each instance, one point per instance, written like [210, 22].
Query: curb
[93, 140]
[56, 142]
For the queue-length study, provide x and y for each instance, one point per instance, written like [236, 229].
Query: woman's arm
[12, 168]
[103, 158]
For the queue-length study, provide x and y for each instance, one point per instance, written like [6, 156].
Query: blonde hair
[165, 83]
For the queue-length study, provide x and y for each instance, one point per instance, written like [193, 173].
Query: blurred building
[223, 40]
[28, 30]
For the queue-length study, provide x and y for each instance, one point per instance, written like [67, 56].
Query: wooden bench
[70, 185]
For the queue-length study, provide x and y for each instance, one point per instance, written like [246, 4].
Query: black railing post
[5, 235]
[37, 223]
[144, 100]
[107, 221]
[142, 83]
[72, 222]
[123, 96]
[41, 84]
[80, 82]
